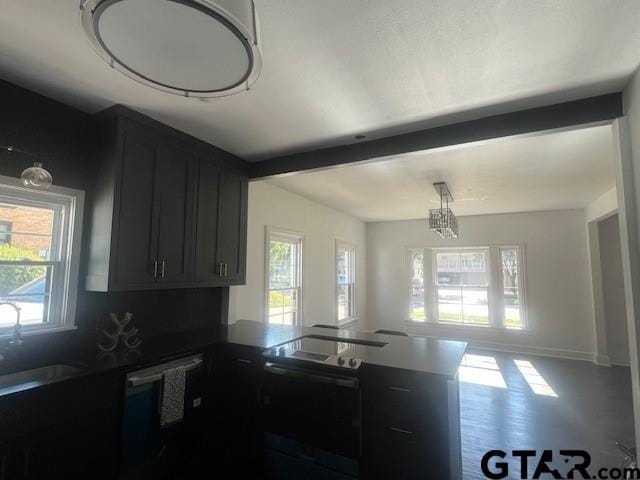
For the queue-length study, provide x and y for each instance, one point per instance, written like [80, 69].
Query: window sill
[28, 331]
[468, 327]
[347, 322]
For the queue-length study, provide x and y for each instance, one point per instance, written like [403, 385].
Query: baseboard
[617, 363]
[603, 360]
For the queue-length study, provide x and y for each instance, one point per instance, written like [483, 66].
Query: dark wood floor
[591, 409]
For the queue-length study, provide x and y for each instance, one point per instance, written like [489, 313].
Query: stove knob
[352, 362]
[281, 351]
[274, 351]
[340, 361]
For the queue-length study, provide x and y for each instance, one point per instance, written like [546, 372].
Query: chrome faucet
[16, 338]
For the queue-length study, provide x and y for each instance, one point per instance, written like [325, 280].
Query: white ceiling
[520, 174]
[334, 68]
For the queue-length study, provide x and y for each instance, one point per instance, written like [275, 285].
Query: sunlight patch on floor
[481, 370]
[537, 383]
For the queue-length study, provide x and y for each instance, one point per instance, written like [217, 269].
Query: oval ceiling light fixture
[193, 48]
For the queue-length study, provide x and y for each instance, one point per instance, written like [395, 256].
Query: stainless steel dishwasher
[150, 450]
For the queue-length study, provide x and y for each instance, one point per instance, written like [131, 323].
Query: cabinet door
[232, 226]
[174, 186]
[136, 224]
[72, 454]
[207, 267]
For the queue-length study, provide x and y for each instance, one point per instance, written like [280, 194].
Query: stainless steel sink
[37, 376]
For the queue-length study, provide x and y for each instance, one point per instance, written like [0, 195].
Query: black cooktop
[320, 349]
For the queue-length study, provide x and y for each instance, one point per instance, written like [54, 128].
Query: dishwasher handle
[136, 381]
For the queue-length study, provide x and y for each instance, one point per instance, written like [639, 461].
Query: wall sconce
[35, 176]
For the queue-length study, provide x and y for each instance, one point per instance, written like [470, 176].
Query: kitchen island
[386, 406]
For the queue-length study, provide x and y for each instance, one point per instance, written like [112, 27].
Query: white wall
[603, 206]
[321, 226]
[613, 291]
[628, 184]
[557, 277]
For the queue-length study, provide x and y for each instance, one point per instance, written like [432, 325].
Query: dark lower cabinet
[64, 431]
[410, 426]
[81, 452]
[236, 418]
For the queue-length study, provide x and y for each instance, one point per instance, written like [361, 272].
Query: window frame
[66, 238]
[495, 288]
[8, 233]
[522, 290]
[425, 286]
[435, 285]
[271, 231]
[347, 247]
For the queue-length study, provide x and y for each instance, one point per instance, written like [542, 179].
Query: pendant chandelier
[442, 221]
[193, 48]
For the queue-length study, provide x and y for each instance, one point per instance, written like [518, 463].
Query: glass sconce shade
[36, 177]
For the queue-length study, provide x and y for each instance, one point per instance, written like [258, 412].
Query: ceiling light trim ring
[91, 10]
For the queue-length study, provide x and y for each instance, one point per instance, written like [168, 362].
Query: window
[509, 261]
[284, 277]
[345, 282]
[462, 286]
[479, 286]
[39, 252]
[417, 310]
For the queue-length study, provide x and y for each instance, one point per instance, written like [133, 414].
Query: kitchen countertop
[420, 354]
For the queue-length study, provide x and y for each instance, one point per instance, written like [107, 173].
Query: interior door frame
[629, 244]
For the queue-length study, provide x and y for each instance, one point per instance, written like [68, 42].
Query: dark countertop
[93, 362]
[420, 354]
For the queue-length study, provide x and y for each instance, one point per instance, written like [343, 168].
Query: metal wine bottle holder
[122, 335]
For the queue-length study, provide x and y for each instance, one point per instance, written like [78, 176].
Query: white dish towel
[172, 406]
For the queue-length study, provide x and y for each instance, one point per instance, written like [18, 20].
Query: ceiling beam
[561, 115]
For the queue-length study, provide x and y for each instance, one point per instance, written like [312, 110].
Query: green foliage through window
[12, 277]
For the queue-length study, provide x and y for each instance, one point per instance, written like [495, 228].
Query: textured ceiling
[336, 68]
[543, 172]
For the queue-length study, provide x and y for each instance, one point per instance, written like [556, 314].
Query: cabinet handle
[220, 267]
[401, 430]
[399, 389]
[162, 269]
[155, 269]
[225, 269]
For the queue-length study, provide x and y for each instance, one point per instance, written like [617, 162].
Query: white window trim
[73, 201]
[409, 286]
[343, 245]
[496, 318]
[299, 237]
[522, 284]
[434, 286]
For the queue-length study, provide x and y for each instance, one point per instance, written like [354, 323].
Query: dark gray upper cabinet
[232, 226]
[207, 267]
[221, 227]
[174, 187]
[168, 211]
